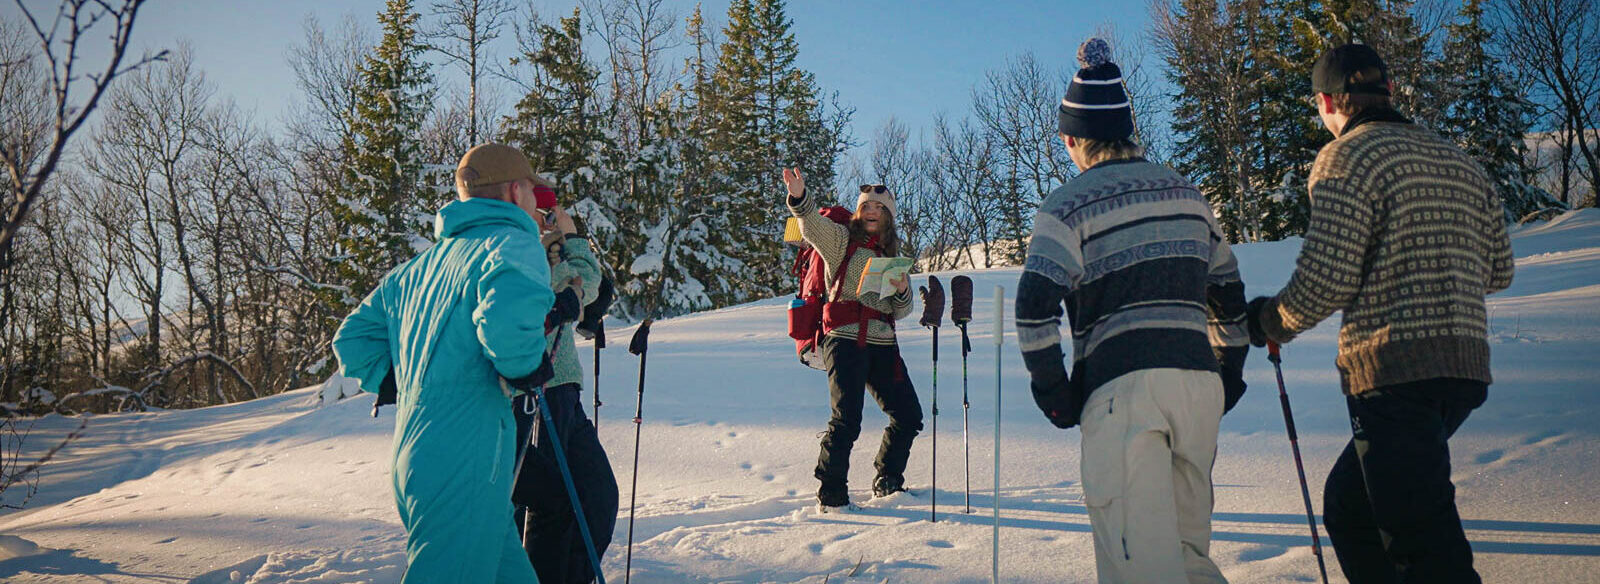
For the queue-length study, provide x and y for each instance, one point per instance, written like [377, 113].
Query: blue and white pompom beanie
[1096, 105]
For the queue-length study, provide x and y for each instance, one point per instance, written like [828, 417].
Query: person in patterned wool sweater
[1152, 292]
[544, 512]
[1406, 237]
[859, 347]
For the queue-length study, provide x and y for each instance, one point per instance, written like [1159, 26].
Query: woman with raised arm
[859, 348]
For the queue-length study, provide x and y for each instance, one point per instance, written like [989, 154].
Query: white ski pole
[999, 340]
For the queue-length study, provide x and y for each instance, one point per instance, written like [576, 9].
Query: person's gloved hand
[388, 392]
[566, 309]
[1231, 360]
[539, 377]
[1061, 402]
[1252, 314]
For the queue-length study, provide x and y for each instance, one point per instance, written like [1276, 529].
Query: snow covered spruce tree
[682, 263]
[1488, 113]
[561, 122]
[382, 199]
[766, 114]
[1287, 134]
[1244, 131]
[1392, 29]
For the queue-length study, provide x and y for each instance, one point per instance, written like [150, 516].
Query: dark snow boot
[833, 495]
[885, 485]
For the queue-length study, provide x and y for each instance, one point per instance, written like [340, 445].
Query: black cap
[1336, 71]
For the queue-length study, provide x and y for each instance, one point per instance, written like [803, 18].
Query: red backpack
[806, 310]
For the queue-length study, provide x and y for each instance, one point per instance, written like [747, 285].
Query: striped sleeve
[1327, 274]
[1053, 267]
[1225, 297]
[830, 239]
[900, 304]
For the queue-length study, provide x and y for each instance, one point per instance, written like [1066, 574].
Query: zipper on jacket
[499, 448]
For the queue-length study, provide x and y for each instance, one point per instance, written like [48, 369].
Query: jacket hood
[460, 216]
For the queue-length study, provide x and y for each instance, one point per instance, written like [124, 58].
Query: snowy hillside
[283, 490]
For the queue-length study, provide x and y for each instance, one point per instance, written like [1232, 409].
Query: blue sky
[886, 58]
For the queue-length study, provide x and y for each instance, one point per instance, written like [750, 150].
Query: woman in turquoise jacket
[450, 325]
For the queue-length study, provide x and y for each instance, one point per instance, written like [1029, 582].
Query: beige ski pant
[1149, 439]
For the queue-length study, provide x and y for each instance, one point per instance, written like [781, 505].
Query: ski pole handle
[641, 339]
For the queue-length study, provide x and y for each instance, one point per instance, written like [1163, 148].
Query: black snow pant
[1389, 505]
[851, 371]
[544, 513]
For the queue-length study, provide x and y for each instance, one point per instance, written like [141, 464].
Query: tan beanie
[886, 198]
[488, 164]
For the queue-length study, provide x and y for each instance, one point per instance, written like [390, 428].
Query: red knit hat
[544, 195]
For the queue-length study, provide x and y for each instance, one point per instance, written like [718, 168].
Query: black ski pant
[852, 370]
[544, 512]
[1389, 505]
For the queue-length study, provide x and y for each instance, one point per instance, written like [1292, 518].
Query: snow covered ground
[283, 490]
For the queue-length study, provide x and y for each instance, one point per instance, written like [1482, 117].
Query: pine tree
[560, 123]
[1287, 132]
[1389, 27]
[684, 260]
[1247, 136]
[1488, 114]
[384, 199]
[766, 115]
[1210, 55]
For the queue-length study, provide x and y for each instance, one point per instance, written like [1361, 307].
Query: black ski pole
[638, 346]
[961, 313]
[593, 326]
[566, 478]
[1294, 444]
[932, 317]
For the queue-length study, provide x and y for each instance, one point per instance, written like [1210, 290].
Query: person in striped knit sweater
[1153, 295]
[1406, 238]
[859, 348]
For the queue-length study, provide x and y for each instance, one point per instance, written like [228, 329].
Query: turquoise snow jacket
[450, 323]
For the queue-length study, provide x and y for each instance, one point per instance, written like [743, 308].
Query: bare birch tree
[61, 38]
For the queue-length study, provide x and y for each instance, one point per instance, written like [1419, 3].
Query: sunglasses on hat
[874, 189]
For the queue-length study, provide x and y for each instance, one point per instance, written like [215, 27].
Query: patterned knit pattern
[1406, 238]
[570, 258]
[1134, 251]
[831, 241]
